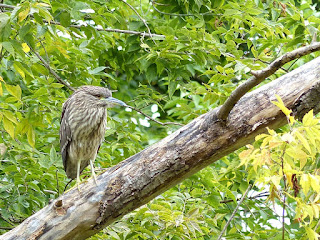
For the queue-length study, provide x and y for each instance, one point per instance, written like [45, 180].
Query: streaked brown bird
[82, 128]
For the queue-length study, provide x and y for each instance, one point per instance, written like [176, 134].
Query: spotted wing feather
[65, 134]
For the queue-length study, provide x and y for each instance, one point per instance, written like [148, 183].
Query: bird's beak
[115, 101]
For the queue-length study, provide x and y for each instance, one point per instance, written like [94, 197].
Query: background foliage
[202, 51]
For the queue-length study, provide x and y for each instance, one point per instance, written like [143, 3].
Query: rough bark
[140, 178]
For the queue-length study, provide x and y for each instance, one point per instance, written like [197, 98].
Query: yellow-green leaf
[22, 127]
[311, 136]
[305, 183]
[1, 90]
[25, 47]
[281, 105]
[14, 91]
[19, 70]
[23, 14]
[10, 116]
[314, 183]
[307, 118]
[56, 85]
[1, 79]
[312, 235]
[315, 210]
[143, 45]
[220, 69]
[303, 141]
[31, 137]
[8, 126]
[297, 153]
[310, 212]
[276, 180]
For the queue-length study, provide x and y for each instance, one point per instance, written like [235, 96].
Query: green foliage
[286, 164]
[207, 49]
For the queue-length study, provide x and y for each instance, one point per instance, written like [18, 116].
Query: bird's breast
[88, 124]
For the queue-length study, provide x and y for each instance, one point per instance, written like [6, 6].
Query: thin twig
[152, 35]
[254, 197]
[6, 228]
[259, 76]
[51, 71]
[47, 56]
[286, 70]
[152, 119]
[139, 16]
[234, 212]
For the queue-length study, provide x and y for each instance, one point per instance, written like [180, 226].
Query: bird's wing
[65, 133]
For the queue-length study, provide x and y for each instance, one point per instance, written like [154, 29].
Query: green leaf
[4, 19]
[97, 70]
[8, 46]
[65, 19]
[172, 88]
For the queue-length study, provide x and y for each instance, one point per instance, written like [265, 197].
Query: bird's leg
[78, 174]
[93, 173]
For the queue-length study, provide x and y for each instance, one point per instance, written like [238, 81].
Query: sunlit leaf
[14, 91]
[8, 126]
[23, 14]
[25, 47]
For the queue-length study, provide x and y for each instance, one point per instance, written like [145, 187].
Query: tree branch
[139, 16]
[259, 76]
[234, 212]
[51, 71]
[152, 119]
[7, 6]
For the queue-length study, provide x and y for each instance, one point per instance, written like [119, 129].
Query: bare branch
[259, 76]
[234, 212]
[152, 119]
[7, 6]
[51, 71]
[260, 195]
[152, 35]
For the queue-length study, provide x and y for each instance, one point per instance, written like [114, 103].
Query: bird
[82, 128]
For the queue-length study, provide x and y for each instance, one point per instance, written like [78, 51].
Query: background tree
[175, 61]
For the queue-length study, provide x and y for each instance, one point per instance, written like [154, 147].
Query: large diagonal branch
[142, 177]
[259, 76]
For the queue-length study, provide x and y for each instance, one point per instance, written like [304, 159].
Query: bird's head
[99, 96]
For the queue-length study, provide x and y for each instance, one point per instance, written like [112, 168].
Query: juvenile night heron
[83, 125]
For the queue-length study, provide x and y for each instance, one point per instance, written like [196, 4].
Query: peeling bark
[142, 177]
